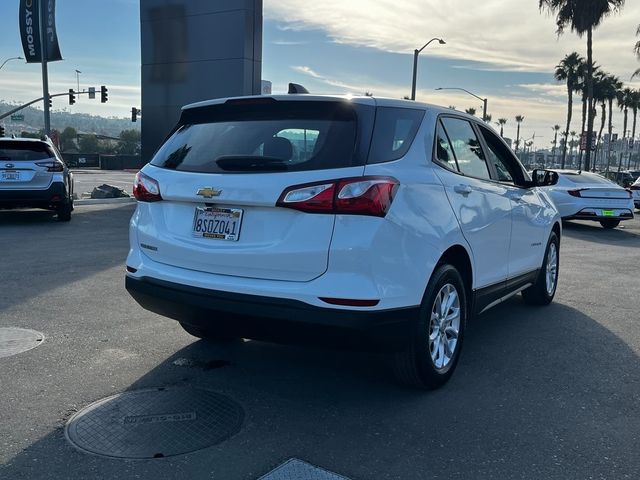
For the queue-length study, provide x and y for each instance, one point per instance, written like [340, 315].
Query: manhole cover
[18, 340]
[155, 423]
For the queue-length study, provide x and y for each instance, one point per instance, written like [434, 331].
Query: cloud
[508, 35]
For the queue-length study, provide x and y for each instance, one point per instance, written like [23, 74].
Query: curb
[102, 201]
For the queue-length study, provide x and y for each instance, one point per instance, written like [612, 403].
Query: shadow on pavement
[627, 234]
[58, 253]
[539, 393]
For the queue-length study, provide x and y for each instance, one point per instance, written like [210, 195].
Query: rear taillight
[575, 193]
[52, 165]
[352, 196]
[146, 189]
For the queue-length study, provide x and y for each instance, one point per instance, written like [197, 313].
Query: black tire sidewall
[609, 224]
[443, 275]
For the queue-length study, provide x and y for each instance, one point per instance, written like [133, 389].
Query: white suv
[339, 220]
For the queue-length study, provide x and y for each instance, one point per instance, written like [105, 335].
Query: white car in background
[635, 191]
[589, 196]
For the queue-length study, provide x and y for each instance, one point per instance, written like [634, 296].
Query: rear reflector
[146, 189]
[131, 269]
[351, 196]
[349, 302]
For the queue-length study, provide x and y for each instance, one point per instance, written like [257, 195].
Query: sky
[504, 50]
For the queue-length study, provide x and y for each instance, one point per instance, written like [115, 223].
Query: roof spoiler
[294, 88]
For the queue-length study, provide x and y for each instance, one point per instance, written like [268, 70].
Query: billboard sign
[29, 18]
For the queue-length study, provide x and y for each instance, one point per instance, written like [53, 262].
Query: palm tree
[452, 107]
[568, 70]
[502, 122]
[637, 50]
[635, 106]
[600, 88]
[625, 99]
[572, 144]
[471, 111]
[519, 120]
[488, 117]
[583, 17]
[556, 129]
[614, 85]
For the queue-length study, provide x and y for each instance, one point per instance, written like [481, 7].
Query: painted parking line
[295, 469]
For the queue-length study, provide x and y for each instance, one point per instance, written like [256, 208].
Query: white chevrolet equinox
[357, 221]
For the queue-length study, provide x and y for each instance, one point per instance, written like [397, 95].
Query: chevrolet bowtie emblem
[209, 192]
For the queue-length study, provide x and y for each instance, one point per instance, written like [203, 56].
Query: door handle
[462, 189]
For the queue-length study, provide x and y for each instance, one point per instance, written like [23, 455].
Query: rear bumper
[596, 214]
[275, 319]
[53, 196]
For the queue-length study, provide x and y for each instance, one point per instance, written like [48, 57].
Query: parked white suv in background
[361, 221]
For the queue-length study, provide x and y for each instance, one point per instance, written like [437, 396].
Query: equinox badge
[209, 192]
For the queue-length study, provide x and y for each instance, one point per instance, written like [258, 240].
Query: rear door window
[266, 136]
[466, 148]
[394, 132]
[17, 151]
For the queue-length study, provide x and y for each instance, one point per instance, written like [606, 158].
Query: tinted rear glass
[582, 178]
[25, 151]
[263, 136]
[394, 133]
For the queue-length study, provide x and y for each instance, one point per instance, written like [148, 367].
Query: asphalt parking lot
[549, 393]
[86, 180]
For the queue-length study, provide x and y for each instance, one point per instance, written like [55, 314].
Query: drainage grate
[155, 423]
[18, 340]
[294, 469]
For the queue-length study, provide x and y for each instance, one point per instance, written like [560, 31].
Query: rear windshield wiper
[250, 163]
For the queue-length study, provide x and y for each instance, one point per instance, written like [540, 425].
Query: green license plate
[608, 213]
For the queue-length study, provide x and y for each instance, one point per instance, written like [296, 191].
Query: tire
[207, 334]
[64, 211]
[417, 366]
[543, 291]
[609, 224]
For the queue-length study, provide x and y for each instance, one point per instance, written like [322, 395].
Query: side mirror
[544, 178]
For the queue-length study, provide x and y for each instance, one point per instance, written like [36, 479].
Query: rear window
[394, 133]
[266, 136]
[582, 178]
[25, 151]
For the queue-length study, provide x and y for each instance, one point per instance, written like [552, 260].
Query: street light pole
[78, 72]
[483, 100]
[415, 64]
[44, 15]
[9, 59]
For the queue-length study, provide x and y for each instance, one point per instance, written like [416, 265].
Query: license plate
[608, 213]
[217, 223]
[10, 176]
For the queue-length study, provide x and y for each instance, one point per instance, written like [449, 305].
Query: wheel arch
[459, 257]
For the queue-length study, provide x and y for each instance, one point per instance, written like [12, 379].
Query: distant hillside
[82, 122]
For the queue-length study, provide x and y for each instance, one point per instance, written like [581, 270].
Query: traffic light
[72, 97]
[134, 114]
[1, 131]
[50, 102]
[104, 94]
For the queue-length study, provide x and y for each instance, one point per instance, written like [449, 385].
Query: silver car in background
[589, 196]
[33, 175]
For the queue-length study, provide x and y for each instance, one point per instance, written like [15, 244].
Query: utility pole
[44, 18]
